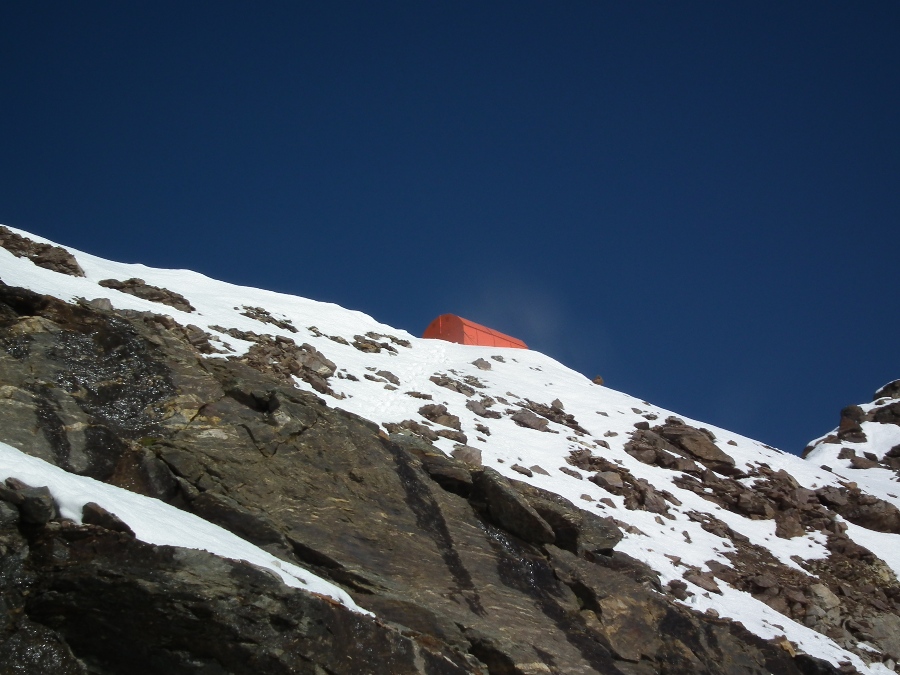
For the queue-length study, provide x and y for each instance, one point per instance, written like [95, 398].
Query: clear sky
[698, 201]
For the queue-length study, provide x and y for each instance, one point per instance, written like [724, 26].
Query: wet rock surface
[467, 571]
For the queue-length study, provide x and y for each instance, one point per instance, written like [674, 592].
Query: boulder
[141, 289]
[526, 418]
[890, 390]
[43, 255]
[437, 413]
[698, 446]
[35, 504]
[94, 514]
[467, 455]
[508, 509]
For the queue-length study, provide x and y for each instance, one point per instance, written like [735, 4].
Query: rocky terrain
[448, 509]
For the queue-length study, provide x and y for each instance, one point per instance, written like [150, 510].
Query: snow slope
[668, 546]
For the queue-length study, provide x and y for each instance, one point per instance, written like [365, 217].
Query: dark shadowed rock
[125, 606]
[35, 504]
[94, 514]
[574, 529]
[450, 473]
[508, 509]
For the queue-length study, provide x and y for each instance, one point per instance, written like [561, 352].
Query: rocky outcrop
[47, 256]
[465, 570]
[90, 599]
[141, 289]
[886, 410]
[263, 315]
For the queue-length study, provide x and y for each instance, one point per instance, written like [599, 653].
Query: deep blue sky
[698, 200]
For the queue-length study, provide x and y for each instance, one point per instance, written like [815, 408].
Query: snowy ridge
[377, 384]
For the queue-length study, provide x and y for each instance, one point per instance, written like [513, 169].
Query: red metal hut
[453, 328]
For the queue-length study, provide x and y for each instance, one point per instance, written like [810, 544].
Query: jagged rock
[453, 385]
[141, 289]
[581, 532]
[822, 596]
[608, 479]
[35, 504]
[453, 435]
[126, 606]
[861, 509]
[890, 390]
[419, 394]
[451, 474]
[468, 455]
[704, 580]
[850, 429]
[94, 514]
[282, 357]
[832, 496]
[885, 631]
[365, 344]
[698, 445]
[400, 342]
[438, 414]
[889, 414]
[473, 581]
[264, 316]
[389, 376]
[506, 507]
[43, 255]
[522, 470]
[413, 426]
[481, 410]
[526, 418]
[863, 463]
[481, 364]
[788, 525]
[553, 412]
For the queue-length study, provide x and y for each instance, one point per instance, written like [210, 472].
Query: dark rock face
[124, 606]
[467, 571]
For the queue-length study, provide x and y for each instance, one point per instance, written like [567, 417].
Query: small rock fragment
[94, 514]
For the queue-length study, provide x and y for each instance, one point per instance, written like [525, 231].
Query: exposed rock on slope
[691, 549]
[141, 289]
[484, 575]
[49, 257]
